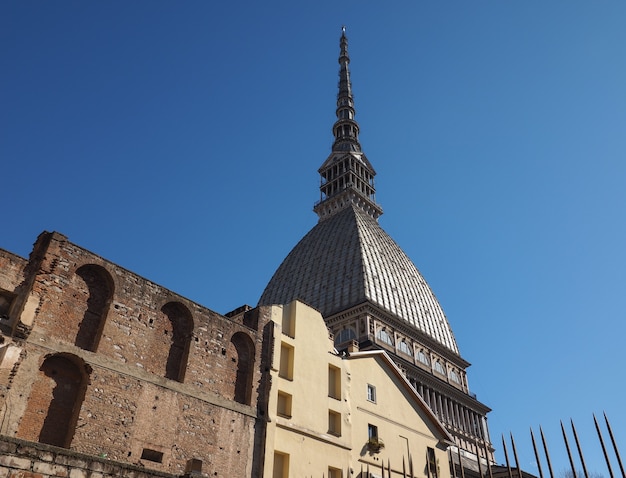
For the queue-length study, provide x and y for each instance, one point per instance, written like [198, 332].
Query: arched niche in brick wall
[242, 353]
[181, 323]
[55, 401]
[95, 291]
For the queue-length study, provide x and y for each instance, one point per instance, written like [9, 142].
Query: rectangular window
[152, 455]
[372, 431]
[334, 472]
[289, 324]
[334, 382]
[334, 423]
[284, 405]
[433, 472]
[286, 361]
[281, 465]
[371, 393]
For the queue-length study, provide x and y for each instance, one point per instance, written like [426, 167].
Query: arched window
[454, 376]
[244, 360]
[440, 368]
[54, 402]
[422, 357]
[94, 295]
[404, 348]
[182, 328]
[345, 336]
[384, 337]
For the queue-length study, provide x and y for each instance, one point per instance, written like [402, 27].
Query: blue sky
[181, 140]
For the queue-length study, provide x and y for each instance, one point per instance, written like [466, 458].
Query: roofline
[398, 373]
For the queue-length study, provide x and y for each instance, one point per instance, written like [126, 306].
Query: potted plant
[375, 444]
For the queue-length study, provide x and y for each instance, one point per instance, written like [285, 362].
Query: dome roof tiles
[348, 259]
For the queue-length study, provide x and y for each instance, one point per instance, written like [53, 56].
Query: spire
[345, 129]
[347, 177]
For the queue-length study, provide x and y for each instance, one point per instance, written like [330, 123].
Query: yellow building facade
[344, 415]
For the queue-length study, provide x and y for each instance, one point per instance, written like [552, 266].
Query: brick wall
[131, 369]
[11, 270]
[136, 331]
[11, 275]
[51, 411]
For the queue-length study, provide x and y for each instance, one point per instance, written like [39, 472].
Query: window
[281, 465]
[286, 361]
[422, 357]
[384, 337]
[334, 382]
[432, 463]
[334, 423]
[334, 472]
[404, 348]
[454, 376]
[152, 455]
[289, 325]
[345, 336]
[283, 407]
[374, 442]
[439, 368]
[371, 393]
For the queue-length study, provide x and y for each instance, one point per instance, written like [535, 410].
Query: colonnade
[457, 418]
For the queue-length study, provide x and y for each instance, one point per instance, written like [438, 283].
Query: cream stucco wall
[405, 425]
[304, 436]
[299, 440]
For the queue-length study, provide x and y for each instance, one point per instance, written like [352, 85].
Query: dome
[348, 259]
[366, 287]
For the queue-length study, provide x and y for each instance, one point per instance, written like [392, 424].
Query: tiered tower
[369, 291]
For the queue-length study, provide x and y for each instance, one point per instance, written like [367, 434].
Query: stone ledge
[12, 461]
[36, 460]
[49, 469]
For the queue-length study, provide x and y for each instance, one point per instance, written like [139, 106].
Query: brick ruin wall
[11, 275]
[12, 270]
[105, 362]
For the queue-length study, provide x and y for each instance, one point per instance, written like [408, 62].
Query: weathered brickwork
[12, 268]
[107, 363]
[54, 395]
[11, 276]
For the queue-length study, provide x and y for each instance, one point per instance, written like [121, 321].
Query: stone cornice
[399, 325]
[346, 198]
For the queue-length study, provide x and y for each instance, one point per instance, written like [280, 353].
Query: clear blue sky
[181, 140]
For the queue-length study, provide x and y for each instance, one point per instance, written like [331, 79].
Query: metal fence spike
[580, 451]
[569, 453]
[619, 459]
[532, 437]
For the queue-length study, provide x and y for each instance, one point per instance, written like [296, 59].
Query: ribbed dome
[348, 259]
